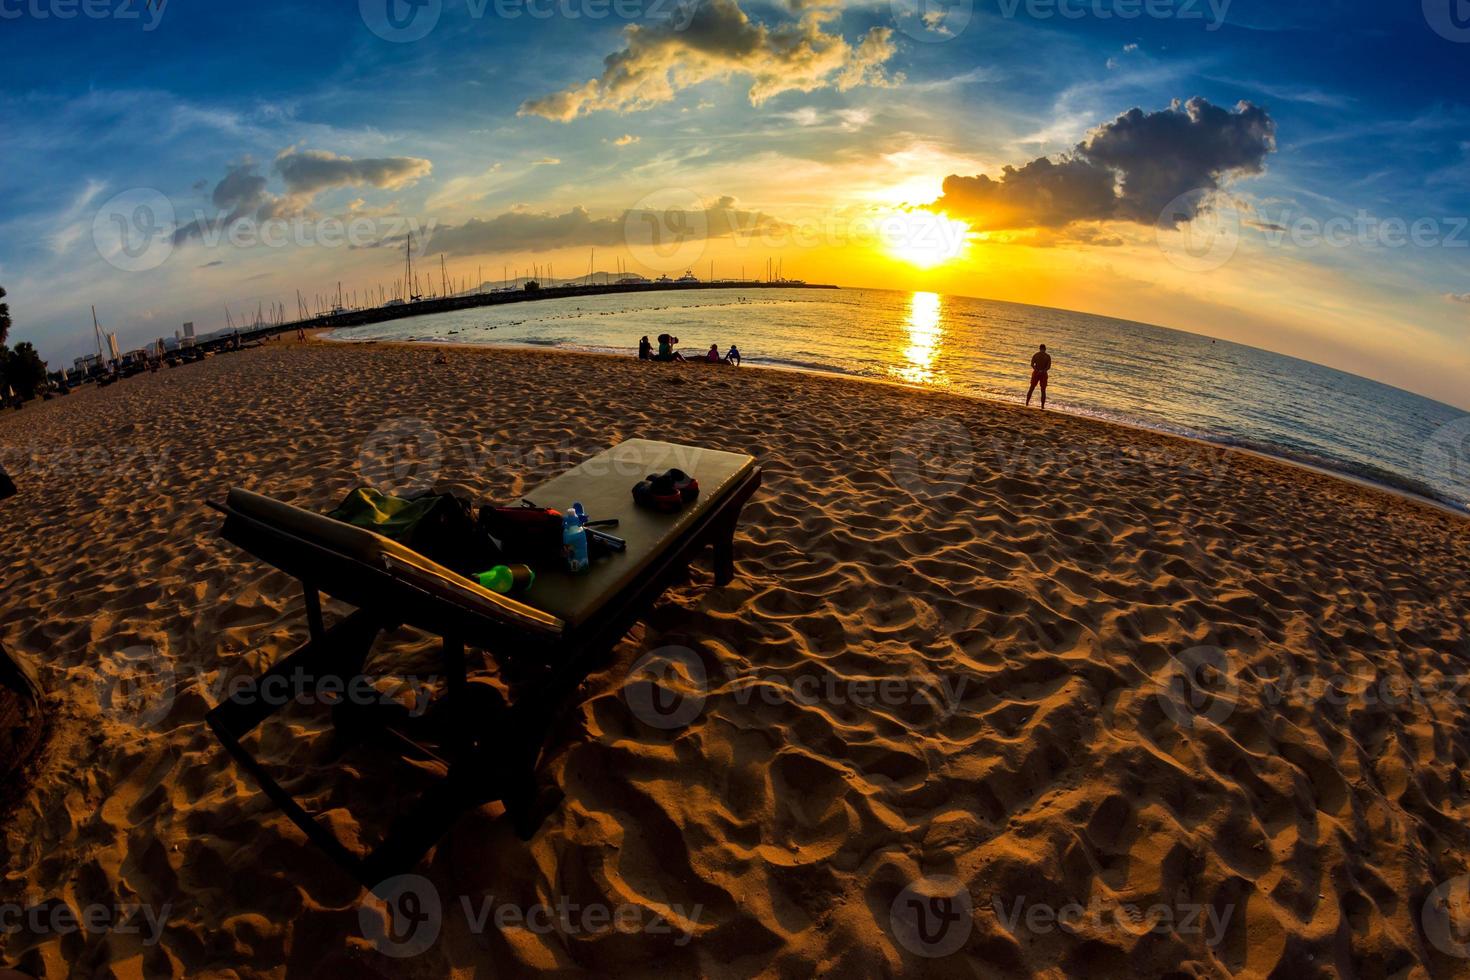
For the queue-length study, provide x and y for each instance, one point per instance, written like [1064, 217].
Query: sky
[1291, 176]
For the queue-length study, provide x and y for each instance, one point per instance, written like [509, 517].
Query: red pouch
[524, 534]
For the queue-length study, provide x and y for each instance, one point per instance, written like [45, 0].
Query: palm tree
[4, 317]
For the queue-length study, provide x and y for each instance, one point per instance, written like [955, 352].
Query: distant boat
[636, 281]
[663, 278]
[688, 276]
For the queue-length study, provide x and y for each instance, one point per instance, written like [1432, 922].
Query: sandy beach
[951, 660]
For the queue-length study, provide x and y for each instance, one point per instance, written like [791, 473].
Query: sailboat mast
[410, 283]
[97, 329]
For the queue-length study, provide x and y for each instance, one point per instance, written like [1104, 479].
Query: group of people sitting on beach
[1040, 361]
[666, 352]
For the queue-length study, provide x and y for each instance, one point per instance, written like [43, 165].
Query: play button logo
[401, 21]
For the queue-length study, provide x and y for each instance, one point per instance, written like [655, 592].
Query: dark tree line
[22, 368]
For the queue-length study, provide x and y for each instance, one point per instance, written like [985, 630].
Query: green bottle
[507, 578]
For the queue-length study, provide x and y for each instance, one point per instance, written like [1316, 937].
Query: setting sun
[924, 238]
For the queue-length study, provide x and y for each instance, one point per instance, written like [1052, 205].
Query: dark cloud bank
[1135, 168]
[543, 231]
[242, 193]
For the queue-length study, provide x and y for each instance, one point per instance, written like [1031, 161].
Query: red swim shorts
[1038, 378]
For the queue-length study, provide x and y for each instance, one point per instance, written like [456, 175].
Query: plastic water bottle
[581, 514]
[573, 542]
[507, 578]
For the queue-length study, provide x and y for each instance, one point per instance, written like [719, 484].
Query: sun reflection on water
[926, 336]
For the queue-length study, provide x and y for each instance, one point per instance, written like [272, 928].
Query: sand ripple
[953, 649]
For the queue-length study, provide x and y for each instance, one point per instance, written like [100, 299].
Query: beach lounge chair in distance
[565, 625]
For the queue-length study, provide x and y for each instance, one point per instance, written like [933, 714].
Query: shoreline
[448, 304]
[1450, 507]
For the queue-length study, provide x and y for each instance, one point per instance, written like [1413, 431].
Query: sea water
[1117, 370]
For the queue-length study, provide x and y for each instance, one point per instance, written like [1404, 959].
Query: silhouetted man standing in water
[1040, 367]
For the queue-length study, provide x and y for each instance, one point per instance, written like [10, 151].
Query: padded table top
[604, 487]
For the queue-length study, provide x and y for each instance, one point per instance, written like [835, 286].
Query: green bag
[392, 517]
[438, 526]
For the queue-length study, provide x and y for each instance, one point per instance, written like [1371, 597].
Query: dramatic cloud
[1144, 167]
[309, 172]
[716, 40]
[239, 195]
[1458, 297]
[627, 139]
[242, 194]
[528, 231]
[533, 231]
